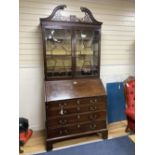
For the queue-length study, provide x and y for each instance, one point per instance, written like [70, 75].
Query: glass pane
[58, 53]
[87, 47]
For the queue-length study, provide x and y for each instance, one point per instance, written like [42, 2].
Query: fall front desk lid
[70, 89]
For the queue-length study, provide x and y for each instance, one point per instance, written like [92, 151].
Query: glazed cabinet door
[57, 53]
[87, 53]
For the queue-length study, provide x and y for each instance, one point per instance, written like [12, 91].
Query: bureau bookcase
[75, 97]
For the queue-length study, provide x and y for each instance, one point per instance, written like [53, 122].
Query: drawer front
[75, 102]
[63, 111]
[61, 108]
[79, 117]
[76, 128]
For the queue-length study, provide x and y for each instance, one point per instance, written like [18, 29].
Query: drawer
[76, 128]
[75, 102]
[63, 111]
[71, 119]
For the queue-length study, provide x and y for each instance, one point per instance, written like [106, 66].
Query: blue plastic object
[116, 102]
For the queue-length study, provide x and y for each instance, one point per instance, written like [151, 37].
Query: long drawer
[76, 128]
[61, 111]
[75, 102]
[78, 117]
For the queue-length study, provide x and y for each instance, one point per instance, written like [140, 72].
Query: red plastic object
[130, 99]
[24, 136]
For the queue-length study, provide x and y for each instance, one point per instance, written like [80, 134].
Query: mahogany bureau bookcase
[75, 97]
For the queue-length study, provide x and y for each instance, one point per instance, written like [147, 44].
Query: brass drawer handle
[65, 132]
[65, 111]
[93, 108]
[93, 117]
[62, 122]
[93, 126]
[93, 101]
[61, 105]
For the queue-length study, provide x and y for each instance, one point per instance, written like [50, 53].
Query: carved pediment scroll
[57, 16]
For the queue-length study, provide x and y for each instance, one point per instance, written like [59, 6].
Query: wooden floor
[37, 142]
[132, 137]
